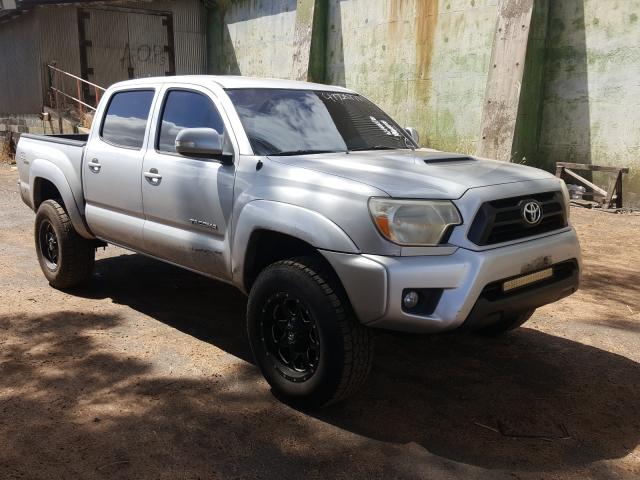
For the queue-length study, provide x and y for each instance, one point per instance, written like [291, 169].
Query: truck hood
[421, 173]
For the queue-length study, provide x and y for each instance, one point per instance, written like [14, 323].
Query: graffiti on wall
[143, 54]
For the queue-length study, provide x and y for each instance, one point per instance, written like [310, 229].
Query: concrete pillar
[310, 38]
[511, 111]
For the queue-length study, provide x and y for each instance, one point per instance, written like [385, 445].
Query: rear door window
[126, 118]
[186, 109]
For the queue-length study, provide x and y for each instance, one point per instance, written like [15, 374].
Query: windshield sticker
[341, 97]
[384, 126]
[392, 131]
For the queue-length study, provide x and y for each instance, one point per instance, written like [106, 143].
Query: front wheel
[66, 259]
[307, 343]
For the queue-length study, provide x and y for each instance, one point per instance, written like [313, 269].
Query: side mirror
[413, 133]
[199, 142]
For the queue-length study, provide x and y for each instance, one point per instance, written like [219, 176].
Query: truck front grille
[502, 221]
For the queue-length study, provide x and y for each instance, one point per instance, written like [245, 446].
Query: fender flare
[298, 222]
[48, 171]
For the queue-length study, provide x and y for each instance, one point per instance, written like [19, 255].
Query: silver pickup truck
[315, 203]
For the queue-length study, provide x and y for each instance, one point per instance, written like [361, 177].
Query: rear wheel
[66, 259]
[506, 324]
[307, 343]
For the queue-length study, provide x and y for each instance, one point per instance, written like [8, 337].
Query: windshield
[296, 122]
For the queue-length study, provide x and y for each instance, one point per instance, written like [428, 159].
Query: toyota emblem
[532, 212]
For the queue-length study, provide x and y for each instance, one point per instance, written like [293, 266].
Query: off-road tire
[345, 345]
[76, 255]
[506, 324]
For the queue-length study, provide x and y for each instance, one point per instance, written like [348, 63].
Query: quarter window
[126, 119]
[186, 109]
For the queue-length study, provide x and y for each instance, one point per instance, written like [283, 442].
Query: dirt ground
[145, 373]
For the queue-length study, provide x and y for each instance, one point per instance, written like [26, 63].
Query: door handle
[153, 176]
[94, 165]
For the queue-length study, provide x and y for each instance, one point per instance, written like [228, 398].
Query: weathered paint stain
[415, 84]
[424, 17]
[426, 21]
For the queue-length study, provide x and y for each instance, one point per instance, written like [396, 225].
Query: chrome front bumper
[375, 283]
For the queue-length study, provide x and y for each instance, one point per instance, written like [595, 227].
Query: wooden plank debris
[611, 196]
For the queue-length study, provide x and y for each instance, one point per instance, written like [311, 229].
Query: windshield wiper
[302, 152]
[374, 147]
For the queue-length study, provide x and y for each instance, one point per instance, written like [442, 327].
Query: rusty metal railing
[58, 80]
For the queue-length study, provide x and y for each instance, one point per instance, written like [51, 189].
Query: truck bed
[55, 157]
[75, 139]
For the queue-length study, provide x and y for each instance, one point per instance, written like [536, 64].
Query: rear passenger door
[112, 168]
[187, 200]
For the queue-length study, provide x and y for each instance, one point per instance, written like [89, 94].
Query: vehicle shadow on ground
[528, 401]
[206, 309]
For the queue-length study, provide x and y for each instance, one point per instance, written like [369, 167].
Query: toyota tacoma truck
[312, 201]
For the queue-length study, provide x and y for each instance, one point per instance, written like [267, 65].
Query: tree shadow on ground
[529, 401]
[617, 284]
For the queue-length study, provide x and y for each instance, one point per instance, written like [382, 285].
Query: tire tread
[77, 254]
[358, 339]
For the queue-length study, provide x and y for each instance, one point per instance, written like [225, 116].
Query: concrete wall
[591, 106]
[256, 38]
[427, 61]
[424, 61]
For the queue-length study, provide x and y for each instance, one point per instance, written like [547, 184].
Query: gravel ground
[145, 373]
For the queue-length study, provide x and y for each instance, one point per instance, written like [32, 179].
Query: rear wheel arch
[44, 189]
[47, 182]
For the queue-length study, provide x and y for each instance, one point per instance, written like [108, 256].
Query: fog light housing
[420, 301]
[410, 299]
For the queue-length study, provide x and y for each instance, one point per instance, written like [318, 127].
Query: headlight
[567, 197]
[413, 222]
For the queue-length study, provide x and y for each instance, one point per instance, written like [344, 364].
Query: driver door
[187, 201]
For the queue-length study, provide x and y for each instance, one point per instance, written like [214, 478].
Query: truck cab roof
[233, 81]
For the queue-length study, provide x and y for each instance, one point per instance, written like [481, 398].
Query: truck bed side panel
[59, 161]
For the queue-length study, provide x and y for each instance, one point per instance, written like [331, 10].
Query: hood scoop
[447, 160]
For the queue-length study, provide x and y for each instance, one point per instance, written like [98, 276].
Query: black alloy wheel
[49, 245]
[290, 336]
[307, 342]
[66, 258]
